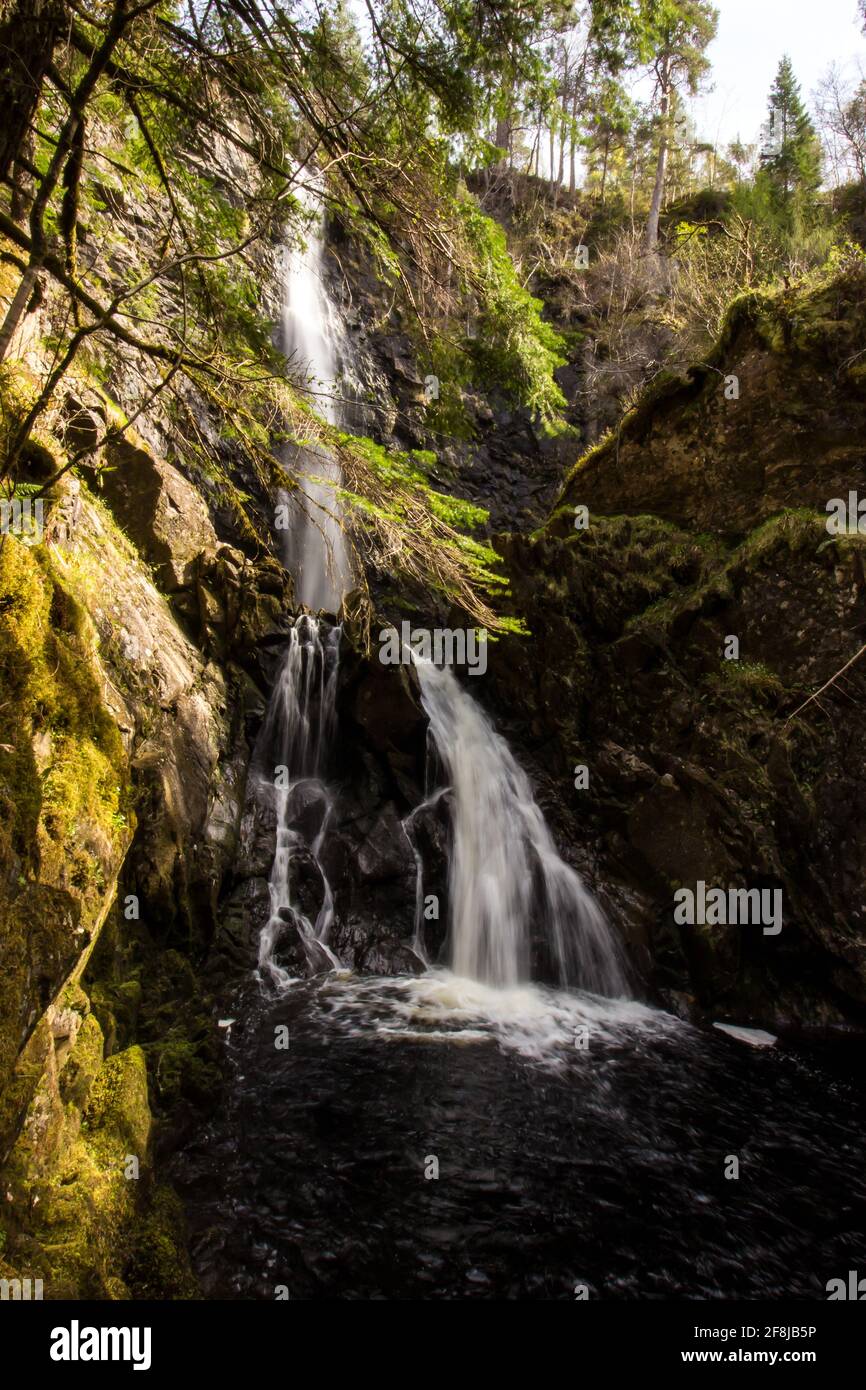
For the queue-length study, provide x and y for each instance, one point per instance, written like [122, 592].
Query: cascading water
[300, 719]
[291, 757]
[507, 881]
[409, 831]
[505, 875]
[316, 552]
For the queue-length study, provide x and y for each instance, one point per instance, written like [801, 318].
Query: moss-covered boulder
[82, 1210]
[774, 418]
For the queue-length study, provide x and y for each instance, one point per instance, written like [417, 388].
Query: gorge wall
[707, 518]
[140, 645]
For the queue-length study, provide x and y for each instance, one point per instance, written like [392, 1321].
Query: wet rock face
[136, 742]
[160, 685]
[698, 766]
[162, 513]
[503, 462]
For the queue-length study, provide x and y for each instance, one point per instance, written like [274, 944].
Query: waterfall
[512, 898]
[291, 757]
[292, 747]
[505, 876]
[316, 552]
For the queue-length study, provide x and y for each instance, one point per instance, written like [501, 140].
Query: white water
[551, 1027]
[507, 883]
[316, 551]
[296, 735]
[408, 825]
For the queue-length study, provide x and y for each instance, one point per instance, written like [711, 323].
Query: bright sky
[752, 37]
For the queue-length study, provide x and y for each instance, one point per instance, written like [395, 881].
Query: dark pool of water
[557, 1166]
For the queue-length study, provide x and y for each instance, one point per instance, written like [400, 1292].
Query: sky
[752, 37]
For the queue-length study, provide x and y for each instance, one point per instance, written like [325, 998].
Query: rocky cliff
[706, 519]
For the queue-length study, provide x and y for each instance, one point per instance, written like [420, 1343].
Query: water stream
[442, 1139]
[289, 764]
[315, 549]
[505, 875]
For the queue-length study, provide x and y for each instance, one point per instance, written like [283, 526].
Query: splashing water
[507, 882]
[545, 1026]
[316, 552]
[295, 738]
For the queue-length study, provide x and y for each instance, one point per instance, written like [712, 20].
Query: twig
[826, 685]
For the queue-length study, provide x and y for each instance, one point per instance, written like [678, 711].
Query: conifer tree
[790, 159]
[675, 34]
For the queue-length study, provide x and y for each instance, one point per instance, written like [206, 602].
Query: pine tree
[676, 34]
[609, 116]
[791, 154]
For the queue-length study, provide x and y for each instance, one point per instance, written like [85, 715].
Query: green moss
[41, 456]
[597, 451]
[798, 531]
[512, 348]
[64, 793]
[795, 530]
[753, 679]
[48, 668]
[82, 1217]
[82, 1067]
[117, 1118]
[159, 1265]
[76, 1205]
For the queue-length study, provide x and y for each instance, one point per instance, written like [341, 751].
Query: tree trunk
[590, 393]
[560, 178]
[502, 139]
[572, 176]
[28, 33]
[17, 309]
[604, 167]
[22, 183]
[652, 226]
[533, 155]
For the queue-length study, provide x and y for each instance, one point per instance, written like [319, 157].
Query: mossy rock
[118, 1115]
[63, 789]
[686, 451]
[159, 1264]
[83, 1065]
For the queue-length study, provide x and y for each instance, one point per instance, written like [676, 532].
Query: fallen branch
[826, 685]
